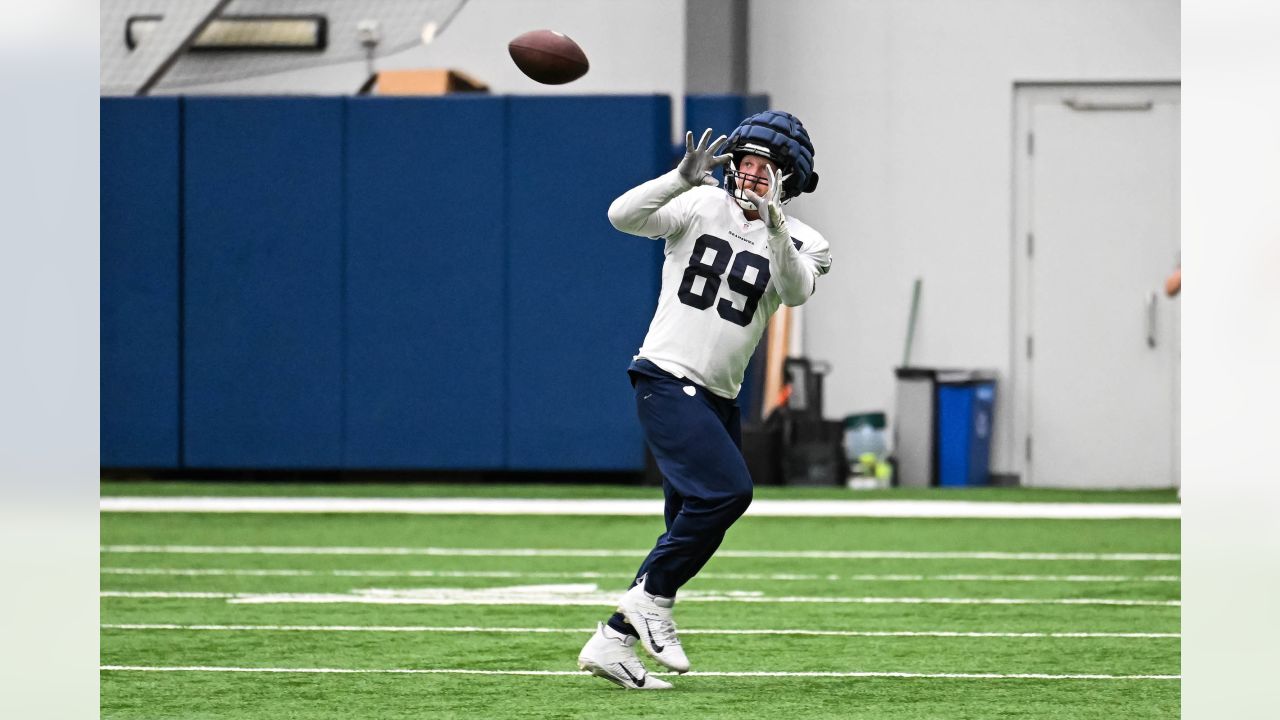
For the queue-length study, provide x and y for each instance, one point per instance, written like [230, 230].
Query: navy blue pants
[696, 437]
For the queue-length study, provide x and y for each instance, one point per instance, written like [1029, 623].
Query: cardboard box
[421, 82]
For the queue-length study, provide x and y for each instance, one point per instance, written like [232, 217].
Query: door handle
[1151, 320]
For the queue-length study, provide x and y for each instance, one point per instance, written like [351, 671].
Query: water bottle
[864, 434]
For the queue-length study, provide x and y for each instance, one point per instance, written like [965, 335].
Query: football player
[731, 259]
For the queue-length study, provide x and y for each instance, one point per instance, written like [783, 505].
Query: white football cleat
[611, 655]
[651, 616]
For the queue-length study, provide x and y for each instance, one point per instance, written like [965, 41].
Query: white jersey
[722, 278]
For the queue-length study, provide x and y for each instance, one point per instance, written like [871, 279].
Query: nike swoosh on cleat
[656, 646]
[639, 681]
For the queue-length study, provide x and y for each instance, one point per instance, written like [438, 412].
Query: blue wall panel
[263, 264]
[721, 113]
[580, 293]
[425, 308]
[140, 185]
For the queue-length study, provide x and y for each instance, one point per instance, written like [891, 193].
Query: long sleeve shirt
[723, 276]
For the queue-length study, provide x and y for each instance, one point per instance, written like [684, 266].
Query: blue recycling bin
[966, 407]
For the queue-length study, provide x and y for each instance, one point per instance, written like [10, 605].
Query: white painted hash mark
[600, 553]
[567, 673]
[686, 631]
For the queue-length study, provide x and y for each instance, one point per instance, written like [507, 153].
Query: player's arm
[645, 210]
[795, 272]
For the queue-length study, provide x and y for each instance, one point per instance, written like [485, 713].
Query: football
[548, 57]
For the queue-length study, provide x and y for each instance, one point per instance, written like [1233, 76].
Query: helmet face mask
[780, 138]
[737, 180]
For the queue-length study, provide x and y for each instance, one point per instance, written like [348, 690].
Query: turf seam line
[298, 572]
[463, 599]
[603, 553]
[462, 671]
[686, 631]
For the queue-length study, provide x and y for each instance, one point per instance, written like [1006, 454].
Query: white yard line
[602, 553]
[567, 673]
[285, 572]
[1052, 578]
[464, 597]
[530, 506]
[943, 601]
[580, 631]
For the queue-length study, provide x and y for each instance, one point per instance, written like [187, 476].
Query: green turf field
[378, 599]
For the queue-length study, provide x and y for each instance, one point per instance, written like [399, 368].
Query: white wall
[910, 105]
[634, 46]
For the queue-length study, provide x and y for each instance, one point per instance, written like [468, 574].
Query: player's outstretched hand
[701, 159]
[769, 205]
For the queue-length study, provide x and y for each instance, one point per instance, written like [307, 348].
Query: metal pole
[911, 324]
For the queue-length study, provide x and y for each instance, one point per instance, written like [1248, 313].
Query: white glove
[698, 162]
[769, 205]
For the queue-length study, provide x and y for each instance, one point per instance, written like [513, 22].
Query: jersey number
[752, 290]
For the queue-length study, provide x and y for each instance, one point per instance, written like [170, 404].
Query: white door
[1099, 216]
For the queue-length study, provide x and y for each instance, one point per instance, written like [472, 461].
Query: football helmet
[777, 136]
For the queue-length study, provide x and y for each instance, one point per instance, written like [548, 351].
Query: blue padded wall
[721, 113]
[426, 251]
[139, 289]
[580, 293]
[414, 283]
[263, 281]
